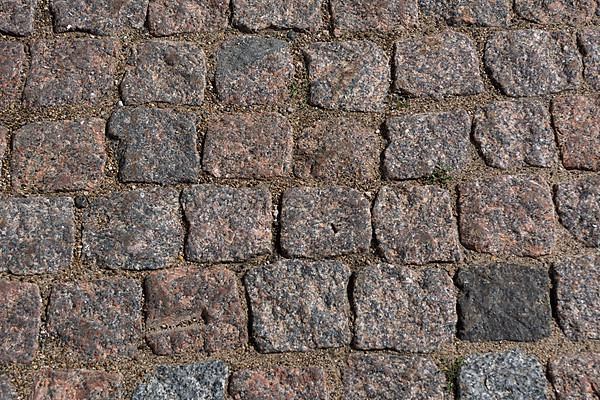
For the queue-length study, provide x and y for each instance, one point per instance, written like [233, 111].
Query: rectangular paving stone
[7, 390]
[13, 62]
[76, 384]
[556, 12]
[489, 13]
[253, 15]
[299, 305]
[279, 383]
[350, 16]
[324, 222]
[578, 205]
[398, 308]
[589, 44]
[170, 17]
[575, 376]
[16, 17]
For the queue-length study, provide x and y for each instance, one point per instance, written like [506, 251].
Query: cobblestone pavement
[299, 199]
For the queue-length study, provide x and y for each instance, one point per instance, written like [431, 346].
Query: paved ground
[299, 199]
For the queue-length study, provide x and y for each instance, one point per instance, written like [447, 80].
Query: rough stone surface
[504, 302]
[155, 145]
[12, 64]
[350, 75]
[324, 222]
[253, 70]
[415, 225]
[589, 42]
[227, 224]
[445, 64]
[202, 310]
[576, 377]
[390, 377]
[204, 381]
[3, 141]
[7, 390]
[507, 215]
[16, 17]
[165, 71]
[279, 383]
[420, 144]
[135, 230]
[373, 15]
[170, 17]
[510, 375]
[512, 134]
[55, 384]
[492, 13]
[252, 15]
[37, 235]
[578, 204]
[97, 320]
[299, 305]
[532, 62]
[556, 11]
[257, 145]
[58, 156]
[20, 313]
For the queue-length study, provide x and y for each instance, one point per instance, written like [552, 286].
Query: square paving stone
[299, 305]
[136, 230]
[350, 75]
[373, 15]
[16, 17]
[170, 17]
[76, 384]
[7, 390]
[576, 376]
[324, 222]
[491, 13]
[279, 383]
[415, 225]
[556, 12]
[155, 145]
[71, 71]
[420, 144]
[12, 64]
[227, 224]
[97, 320]
[578, 204]
[257, 145]
[58, 156]
[504, 302]
[253, 70]
[391, 377]
[532, 62]
[164, 71]
[254, 15]
[436, 66]
[512, 134]
[20, 313]
[201, 310]
[507, 215]
[37, 235]
[589, 42]
[577, 292]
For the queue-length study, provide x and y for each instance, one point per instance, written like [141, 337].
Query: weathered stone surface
[504, 302]
[390, 377]
[324, 222]
[7, 390]
[279, 383]
[578, 204]
[99, 319]
[512, 134]
[12, 64]
[37, 235]
[373, 15]
[16, 17]
[445, 64]
[250, 145]
[253, 70]
[252, 15]
[20, 313]
[58, 156]
[576, 377]
[227, 224]
[135, 230]
[165, 71]
[589, 42]
[556, 11]
[155, 145]
[577, 291]
[76, 384]
[3, 141]
[211, 318]
[421, 143]
[350, 75]
[494, 13]
[170, 17]
[532, 62]
[415, 225]
[510, 375]
[299, 305]
[507, 215]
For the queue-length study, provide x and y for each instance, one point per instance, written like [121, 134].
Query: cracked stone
[279, 383]
[490, 13]
[12, 64]
[578, 204]
[373, 15]
[170, 17]
[16, 17]
[576, 376]
[76, 384]
[253, 15]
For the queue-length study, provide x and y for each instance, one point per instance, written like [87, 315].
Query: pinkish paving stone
[7, 390]
[58, 156]
[578, 204]
[202, 310]
[170, 17]
[493, 13]
[350, 75]
[575, 376]
[71, 71]
[3, 141]
[20, 313]
[279, 383]
[227, 224]
[390, 377]
[373, 15]
[507, 215]
[532, 62]
[97, 320]
[253, 70]
[512, 134]
[76, 384]
[299, 305]
[16, 17]
[163, 71]
[12, 64]
[421, 143]
[253, 15]
[399, 308]
[257, 145]
[414, 225]
[324, 222]
[556, 11]
[589, 42]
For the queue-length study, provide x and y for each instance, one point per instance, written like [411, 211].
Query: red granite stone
[170, 17]
[16, 17]
[254, 15]
[575, 376]
[76, 384]
[279, 383]
[12, 64]
[350, 16]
